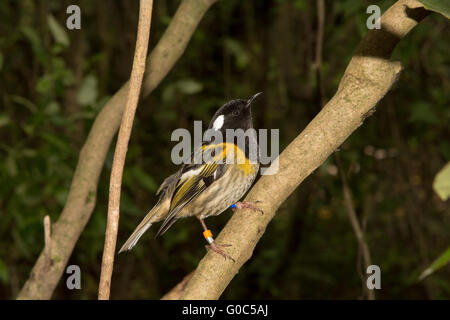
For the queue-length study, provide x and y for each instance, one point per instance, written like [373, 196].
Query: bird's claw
[216, 248]
[248, 205]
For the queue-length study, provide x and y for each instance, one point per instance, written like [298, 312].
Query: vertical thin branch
[137, 74]
[319, 48]
[362, 244]
[354, 221]
[48, 243]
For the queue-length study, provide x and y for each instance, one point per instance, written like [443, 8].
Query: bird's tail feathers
[141, 228]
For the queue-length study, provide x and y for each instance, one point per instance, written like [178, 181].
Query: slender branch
[319, 46]
[368, 77]
[82, 194]
[362, 244]
[354, 221]
[137, 74]
[48, 242]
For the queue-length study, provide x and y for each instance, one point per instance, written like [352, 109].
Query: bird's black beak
[250, 101]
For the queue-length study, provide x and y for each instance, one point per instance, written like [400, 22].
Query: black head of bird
[236, 114]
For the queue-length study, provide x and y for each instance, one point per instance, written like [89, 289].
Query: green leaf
[437, 264]
[44, 84]
[87, 95]
[238, 51]
[58, 32]
[185, 86]
[56, 141]
[11, 166]
[189, 86]
[24, 102]
[168, 93]
[52, 108]
[4, 120]
[439, 6]
[36, 43]
[441, 183]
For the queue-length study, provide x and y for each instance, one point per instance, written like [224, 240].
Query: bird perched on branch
[227, 168]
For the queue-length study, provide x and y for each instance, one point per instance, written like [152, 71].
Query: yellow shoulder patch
[230, 153]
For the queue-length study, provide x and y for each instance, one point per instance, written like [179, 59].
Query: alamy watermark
[74, 280]
[374, 279]
[74, 20]
[374, 20]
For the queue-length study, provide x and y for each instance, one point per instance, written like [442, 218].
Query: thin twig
[362, 245]
[354, 221]
[137, 74]
[319, 48]
[48, 242]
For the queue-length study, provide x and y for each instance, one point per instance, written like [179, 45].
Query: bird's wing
[194, 179]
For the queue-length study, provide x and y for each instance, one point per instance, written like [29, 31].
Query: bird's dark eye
[235, 113]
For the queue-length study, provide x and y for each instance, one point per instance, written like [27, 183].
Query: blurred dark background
[53, 82]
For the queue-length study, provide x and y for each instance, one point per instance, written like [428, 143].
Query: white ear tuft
[218, 123]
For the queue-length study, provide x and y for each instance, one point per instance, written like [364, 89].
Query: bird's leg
[212, 244]
[247, 205]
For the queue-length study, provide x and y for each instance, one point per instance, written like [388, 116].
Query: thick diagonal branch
[368, 77]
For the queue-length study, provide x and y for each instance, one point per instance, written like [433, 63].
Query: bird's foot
[217, 248]
[247, 205]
